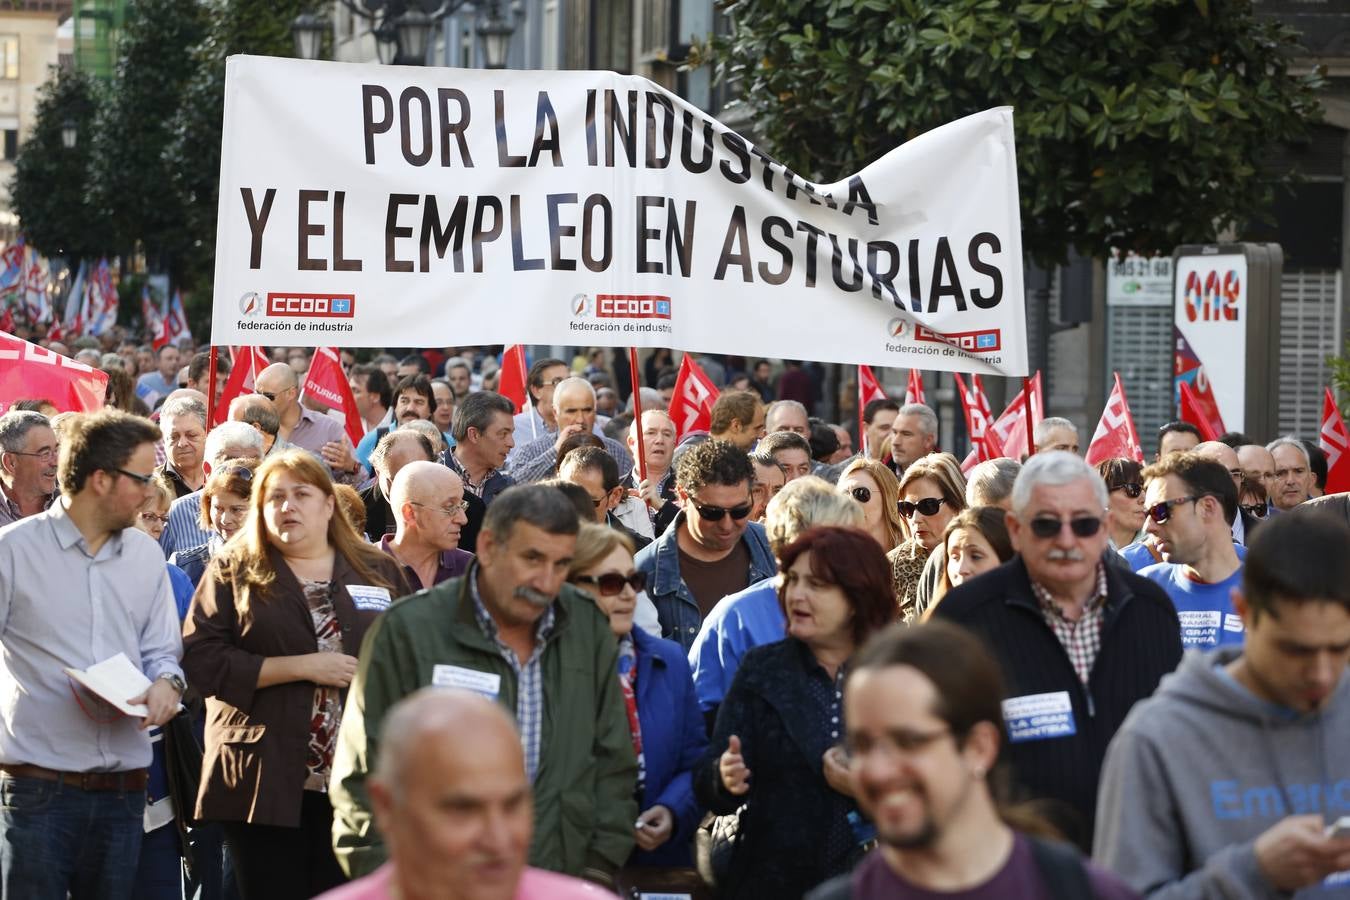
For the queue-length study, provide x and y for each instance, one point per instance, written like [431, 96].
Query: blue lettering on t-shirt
[1208, 619]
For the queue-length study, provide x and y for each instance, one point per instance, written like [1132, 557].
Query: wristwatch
[177, 683]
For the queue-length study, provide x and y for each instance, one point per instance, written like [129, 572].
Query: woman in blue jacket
[668, 733]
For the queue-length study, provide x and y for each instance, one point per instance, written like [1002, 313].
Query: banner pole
[1026, 405]
[211, 386]
[862, 433]
[637, 413]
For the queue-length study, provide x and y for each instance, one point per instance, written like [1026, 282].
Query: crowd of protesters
[564, 653]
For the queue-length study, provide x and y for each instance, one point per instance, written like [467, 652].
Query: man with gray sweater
[1229, 781]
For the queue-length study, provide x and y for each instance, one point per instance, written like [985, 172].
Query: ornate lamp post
[403, 29]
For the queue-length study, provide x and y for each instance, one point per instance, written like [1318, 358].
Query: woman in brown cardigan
[271, 642]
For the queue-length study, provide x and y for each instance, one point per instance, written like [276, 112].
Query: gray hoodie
[1198, 771]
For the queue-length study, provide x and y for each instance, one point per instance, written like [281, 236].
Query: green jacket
[584, 804]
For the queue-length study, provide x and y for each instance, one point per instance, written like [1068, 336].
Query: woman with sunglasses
[224, 509]
[1125, 514]
[873, 485]
[663, 715]
[932, 491]
[775, 748]
[976, 541]
[271, 642]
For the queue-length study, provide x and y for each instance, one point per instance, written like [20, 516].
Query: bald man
[428, 501]
[450, 796]
[305, 428]
[261, 413]
[1227, 457]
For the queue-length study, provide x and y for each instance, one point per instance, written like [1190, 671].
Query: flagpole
[862, 435]
[637, 414]
[211, 387]
[1026, 405]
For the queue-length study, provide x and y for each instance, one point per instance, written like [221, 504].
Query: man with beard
[80, 584]
[28, 450]
[1079, 641]
[511, 629]
[924, 727]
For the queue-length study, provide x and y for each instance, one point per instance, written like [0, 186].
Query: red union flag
[248, 362]
[1199, 409]
[869, 389]
[691, 406]
[1334, 441]
[1115, 435]
[512, 383]
[1011, 427]
[984, 443]
[326, 382]
[30, 372]
[914, 388]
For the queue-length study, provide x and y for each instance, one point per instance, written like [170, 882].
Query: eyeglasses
[448, 511]
[928, 506]
[1132, 489]
[268, 394]
[143, 479]
[715, 513]
[44, 453]
[599, 501]
[1083, 526]
[1162, 511]
[153, 518]
[1255, 509]
[893, 745]
[611, 583]
[861, 494]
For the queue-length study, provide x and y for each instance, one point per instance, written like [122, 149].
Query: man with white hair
[658, 491]
[574, 411]
[991, 482]
[787, 415]
[753, 617]
[1292, 482]
[182, 422]
[1079, 642]
[913, 435]
[428, 500]
[28, 454]
[451, 798]
[1053, 433]
[228, 440]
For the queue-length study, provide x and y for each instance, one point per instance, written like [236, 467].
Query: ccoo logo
[580, 305]
[895, 328]
[250, 304]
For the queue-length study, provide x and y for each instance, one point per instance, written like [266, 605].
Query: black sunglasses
[928, 506]
[1258, 510]
[1132, 489]
[268, 394]
[612, 583]
[715, 513]
[861, 494]
[1083, 526]
[1161, 512]
[143, 479]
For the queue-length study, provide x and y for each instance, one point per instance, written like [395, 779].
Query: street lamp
[70, 134]
[495, 33]
[403, 29]
[308, 31]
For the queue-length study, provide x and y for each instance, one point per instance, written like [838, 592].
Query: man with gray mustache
[510, 630]
[1079, 641]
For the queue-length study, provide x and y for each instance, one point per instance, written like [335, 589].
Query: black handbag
[183, 765]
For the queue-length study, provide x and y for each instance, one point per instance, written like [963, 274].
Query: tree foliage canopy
[1141, 124]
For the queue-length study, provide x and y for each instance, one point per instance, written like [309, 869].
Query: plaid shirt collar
[1081, 639]
[543, 629]
[1094, 604]
[463, 472]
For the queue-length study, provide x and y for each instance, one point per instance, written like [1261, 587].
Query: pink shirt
[535, 884]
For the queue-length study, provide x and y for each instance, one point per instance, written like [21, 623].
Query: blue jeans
[57, 840]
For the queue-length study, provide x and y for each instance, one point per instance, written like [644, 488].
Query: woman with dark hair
[975, 542]
[932, 492]
[271, 642]
[1125, 513]
[774, 752]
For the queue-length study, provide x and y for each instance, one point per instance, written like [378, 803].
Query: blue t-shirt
[1208, 619]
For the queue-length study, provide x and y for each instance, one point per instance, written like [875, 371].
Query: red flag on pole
[1011, 427]
[1200, 410]
[1115, 435]
[914, 388]
[869, 389]
[326, 382]
[691, 406]
[29, 372]
[984, 444]
[1334, 441]
[248, 362]
[512, 383]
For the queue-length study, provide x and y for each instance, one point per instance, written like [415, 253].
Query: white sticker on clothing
[485, 683]
[1199, 627]
[1036, 717]
[1232, 622]
[369, 598]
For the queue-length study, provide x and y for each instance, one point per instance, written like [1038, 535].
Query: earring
[977, 771]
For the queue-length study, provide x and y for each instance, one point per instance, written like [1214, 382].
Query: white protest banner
[383, 206]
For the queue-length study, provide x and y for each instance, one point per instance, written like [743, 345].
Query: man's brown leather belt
[130, 780]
